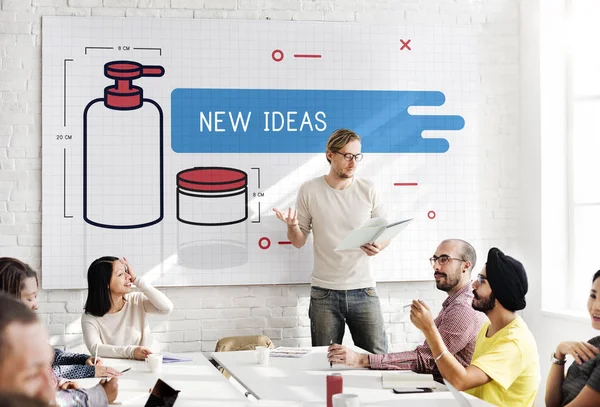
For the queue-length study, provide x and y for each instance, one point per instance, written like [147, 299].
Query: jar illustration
[212, 206]
[212, 196]
[123, 152]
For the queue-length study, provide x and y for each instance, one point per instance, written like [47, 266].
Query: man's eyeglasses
[481, 278]
[349, 157]
[443, 259]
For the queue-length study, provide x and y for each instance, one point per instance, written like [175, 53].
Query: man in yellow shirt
[505, 369]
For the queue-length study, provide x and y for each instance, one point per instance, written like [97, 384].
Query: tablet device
[162, 395]
[407, 390]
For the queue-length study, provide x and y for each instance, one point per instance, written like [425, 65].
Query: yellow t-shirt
[510, 358]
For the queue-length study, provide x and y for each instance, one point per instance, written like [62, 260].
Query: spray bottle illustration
[123, 152]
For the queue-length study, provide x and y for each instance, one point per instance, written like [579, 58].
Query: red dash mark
[307, 56]
[264, 243]
[284, 242]
[277, 55]
[431, 215]
[405, 184]
[405, 45]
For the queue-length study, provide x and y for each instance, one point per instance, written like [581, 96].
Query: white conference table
[200, 383]
[303, 379]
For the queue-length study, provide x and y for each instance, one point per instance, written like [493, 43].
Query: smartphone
[407, 390]
[162, 395]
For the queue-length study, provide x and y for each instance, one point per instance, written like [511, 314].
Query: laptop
[458, 396]
[162, 395]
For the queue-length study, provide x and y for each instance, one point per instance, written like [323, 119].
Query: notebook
[406, 380]
[373, 230]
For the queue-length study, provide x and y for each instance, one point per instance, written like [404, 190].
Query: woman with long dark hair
[581, 385]
[20, 281]
[115, 321]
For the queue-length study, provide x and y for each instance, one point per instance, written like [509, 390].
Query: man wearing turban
[505, 369]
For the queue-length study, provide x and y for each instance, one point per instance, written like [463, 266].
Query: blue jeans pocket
[317, 293]
[371, 292]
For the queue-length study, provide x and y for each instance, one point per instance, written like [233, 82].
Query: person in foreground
[20, 281]
[581, 386]
[505, 369]
[19, 400]
[25, 359]
[115, 321]
[457, 322]
[343, 283]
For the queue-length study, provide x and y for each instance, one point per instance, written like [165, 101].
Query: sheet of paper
[287, 352]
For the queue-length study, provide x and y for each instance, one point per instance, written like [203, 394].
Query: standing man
[343, 283]
[457, 322]
[505, 370]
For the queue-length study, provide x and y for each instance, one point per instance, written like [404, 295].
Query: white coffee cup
[154, 362]
[262, 355]
[345, 400]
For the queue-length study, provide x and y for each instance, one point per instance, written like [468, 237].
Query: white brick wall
[205, 314]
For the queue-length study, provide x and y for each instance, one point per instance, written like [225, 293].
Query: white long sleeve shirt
[117, 335]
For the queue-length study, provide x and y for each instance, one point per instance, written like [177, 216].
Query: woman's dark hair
[98, 300]
[596, 275]
[13, 274]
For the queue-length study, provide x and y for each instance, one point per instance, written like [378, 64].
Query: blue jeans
[360, 309]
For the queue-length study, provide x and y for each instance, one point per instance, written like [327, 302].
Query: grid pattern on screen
[123, 180]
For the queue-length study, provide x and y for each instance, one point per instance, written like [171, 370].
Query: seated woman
[20, 281]
[115, 323]
[581, 385]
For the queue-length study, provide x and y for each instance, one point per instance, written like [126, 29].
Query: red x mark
[405, 44]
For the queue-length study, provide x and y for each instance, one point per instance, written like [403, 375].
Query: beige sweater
[330, 214]
[117, 335]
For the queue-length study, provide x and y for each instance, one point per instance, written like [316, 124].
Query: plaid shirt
[458, 324]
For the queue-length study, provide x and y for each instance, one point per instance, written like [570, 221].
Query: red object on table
[335, 385]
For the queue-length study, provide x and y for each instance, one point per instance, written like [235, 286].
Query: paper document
[374, 230]
[171, 358]
[286, 352]
[405, 380]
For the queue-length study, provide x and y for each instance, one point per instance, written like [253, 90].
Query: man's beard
[341, 174]
[484, 304]
[449, 284]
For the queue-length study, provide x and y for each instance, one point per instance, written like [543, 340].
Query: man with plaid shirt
[457, 322]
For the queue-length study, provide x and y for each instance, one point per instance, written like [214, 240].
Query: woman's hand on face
[141, 352]
[128, 268]
[581, 351]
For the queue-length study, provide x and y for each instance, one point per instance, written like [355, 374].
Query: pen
[406, 306]
[126, 370]
[330, 363]
[96, 355]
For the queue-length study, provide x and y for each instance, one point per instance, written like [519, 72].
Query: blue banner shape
[301, 121]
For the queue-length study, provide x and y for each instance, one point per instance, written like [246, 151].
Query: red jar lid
[212, 179]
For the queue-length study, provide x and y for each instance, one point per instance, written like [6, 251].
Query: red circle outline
[277, 59]
[431, 215]
[264, 239]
